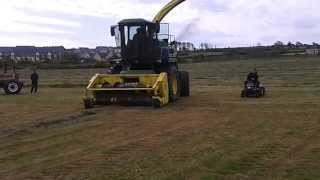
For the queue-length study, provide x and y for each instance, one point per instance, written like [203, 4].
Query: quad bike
[253, 89]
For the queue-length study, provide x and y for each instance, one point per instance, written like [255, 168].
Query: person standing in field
[34, 81]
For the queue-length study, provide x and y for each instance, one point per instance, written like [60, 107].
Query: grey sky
[222, 22]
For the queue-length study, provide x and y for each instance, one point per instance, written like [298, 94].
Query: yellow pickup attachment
[137, 89]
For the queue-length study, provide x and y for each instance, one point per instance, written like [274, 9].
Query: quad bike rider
[252, 86]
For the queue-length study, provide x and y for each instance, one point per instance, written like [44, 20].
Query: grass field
[214, 134]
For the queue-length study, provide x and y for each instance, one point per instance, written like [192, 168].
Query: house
[24, 53]
[97, 57]
[50, 53]
[84, 55]
[6, 52]
[313, 51]
[102, 49]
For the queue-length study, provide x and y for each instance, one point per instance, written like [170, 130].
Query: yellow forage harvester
[148, 73]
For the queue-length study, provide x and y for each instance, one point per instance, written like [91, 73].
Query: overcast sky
[79, 23]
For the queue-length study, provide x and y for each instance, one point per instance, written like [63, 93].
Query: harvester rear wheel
[184, 84]
[174, 83]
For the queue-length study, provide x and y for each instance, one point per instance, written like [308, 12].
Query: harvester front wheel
[184, 84]
[174, 84]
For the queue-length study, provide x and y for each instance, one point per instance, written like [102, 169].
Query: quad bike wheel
[88, 103]
[262, 92]
[243, 94]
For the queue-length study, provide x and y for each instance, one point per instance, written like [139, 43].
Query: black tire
[184, 84]
[243, 94]
[156, 103]
[12, 87]
[257, 93]
[173, 83]
[88, 104]
[262, 91]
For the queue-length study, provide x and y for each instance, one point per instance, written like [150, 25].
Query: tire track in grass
[87, 150]
[295, 152]
[65, 121]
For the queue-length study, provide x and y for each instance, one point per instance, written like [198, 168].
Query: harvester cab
[144, 45]
[149, 71]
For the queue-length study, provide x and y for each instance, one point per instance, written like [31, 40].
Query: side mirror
[112, 30]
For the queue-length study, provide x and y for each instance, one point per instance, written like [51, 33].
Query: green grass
[214, 134]
[61, 77]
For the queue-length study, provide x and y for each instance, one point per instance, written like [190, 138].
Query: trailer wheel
[184, 84]
[12, 87]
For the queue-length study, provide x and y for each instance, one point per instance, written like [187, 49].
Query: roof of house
[53, 49]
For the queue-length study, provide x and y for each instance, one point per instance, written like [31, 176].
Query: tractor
[9, 78]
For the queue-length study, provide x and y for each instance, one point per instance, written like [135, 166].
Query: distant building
[84, 55]
[53, 53]
[56, 53]
[97, 57]
[312, 51]
[6, 52]
[185, 46]
[32, 53]
[24, 53]
[102, 49]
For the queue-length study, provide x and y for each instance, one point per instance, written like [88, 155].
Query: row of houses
[313, 51]
[32, 53]
[100, 53]
[57, 53]
[103, 53]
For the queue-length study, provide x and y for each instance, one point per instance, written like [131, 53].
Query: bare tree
[279, 43]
